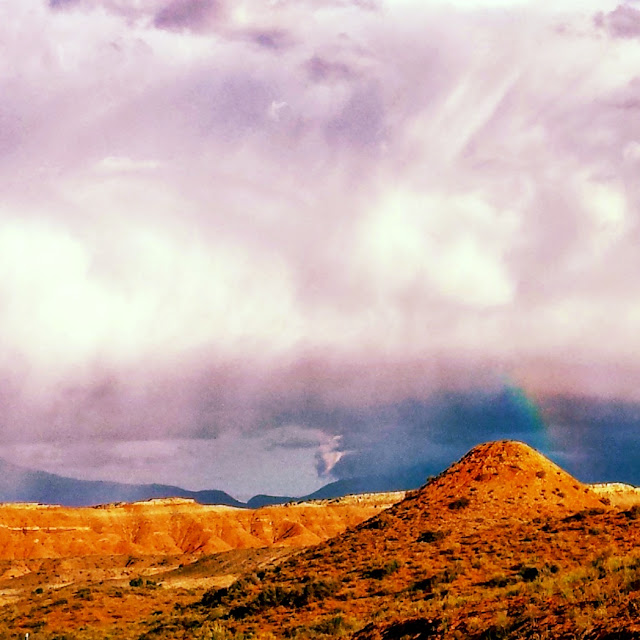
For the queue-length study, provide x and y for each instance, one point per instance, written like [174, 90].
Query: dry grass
[512, 558]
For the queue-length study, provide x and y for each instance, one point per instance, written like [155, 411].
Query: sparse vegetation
[508, 565]
[459, 503]
[432, 536]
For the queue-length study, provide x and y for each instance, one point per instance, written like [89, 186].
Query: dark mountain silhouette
[403, 480]
[18, 484]
[23, 485]
[263, 500]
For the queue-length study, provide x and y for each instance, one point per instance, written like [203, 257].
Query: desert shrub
[272, 596]
[183, 627]
[414, 628]
[458, 503]
[142, 582]
[235, 591]
[217, 632]
[633, 584]
[214, 597]
[316, 590]
[575, 517]
[431, 536]
[377, 523]
[582, 515]
[426, 584]
[601, 565]
[633, 513]
[451, 572]
[498, 580]
[529, 574]
[379, 572]
[333, 626]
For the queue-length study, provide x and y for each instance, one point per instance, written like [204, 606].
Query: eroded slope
[170, 527]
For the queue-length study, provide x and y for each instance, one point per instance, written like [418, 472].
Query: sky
[259, 246]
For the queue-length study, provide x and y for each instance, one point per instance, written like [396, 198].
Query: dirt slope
[505, 478]
[170, 527]
[502, 539]
[502, 544]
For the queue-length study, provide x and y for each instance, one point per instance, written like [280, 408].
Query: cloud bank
[215, 214]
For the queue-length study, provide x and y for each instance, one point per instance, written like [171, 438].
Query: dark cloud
[426, 434]
[192, 15]
[361, 120]
[56, 4]
[274, 39]
[322, 70]
[430, 434]
[622, 22]
[595, 439]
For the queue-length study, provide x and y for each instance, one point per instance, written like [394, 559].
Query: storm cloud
[219, 220]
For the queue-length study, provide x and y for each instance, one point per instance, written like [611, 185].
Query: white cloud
[123, 164]
[213, 205]
[449, 245]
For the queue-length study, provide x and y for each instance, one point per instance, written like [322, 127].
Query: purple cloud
[187, 14]
[214, 214]
[622, 22]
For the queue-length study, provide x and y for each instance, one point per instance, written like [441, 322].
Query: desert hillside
[502, 544]
[504, 478]
[173, 526]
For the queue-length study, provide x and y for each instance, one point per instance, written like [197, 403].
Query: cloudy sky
[261, 245]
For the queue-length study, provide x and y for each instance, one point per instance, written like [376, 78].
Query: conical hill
[505, 478]
[501, 517]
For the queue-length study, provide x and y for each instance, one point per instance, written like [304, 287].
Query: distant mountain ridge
[24, 485]
[18, 484]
